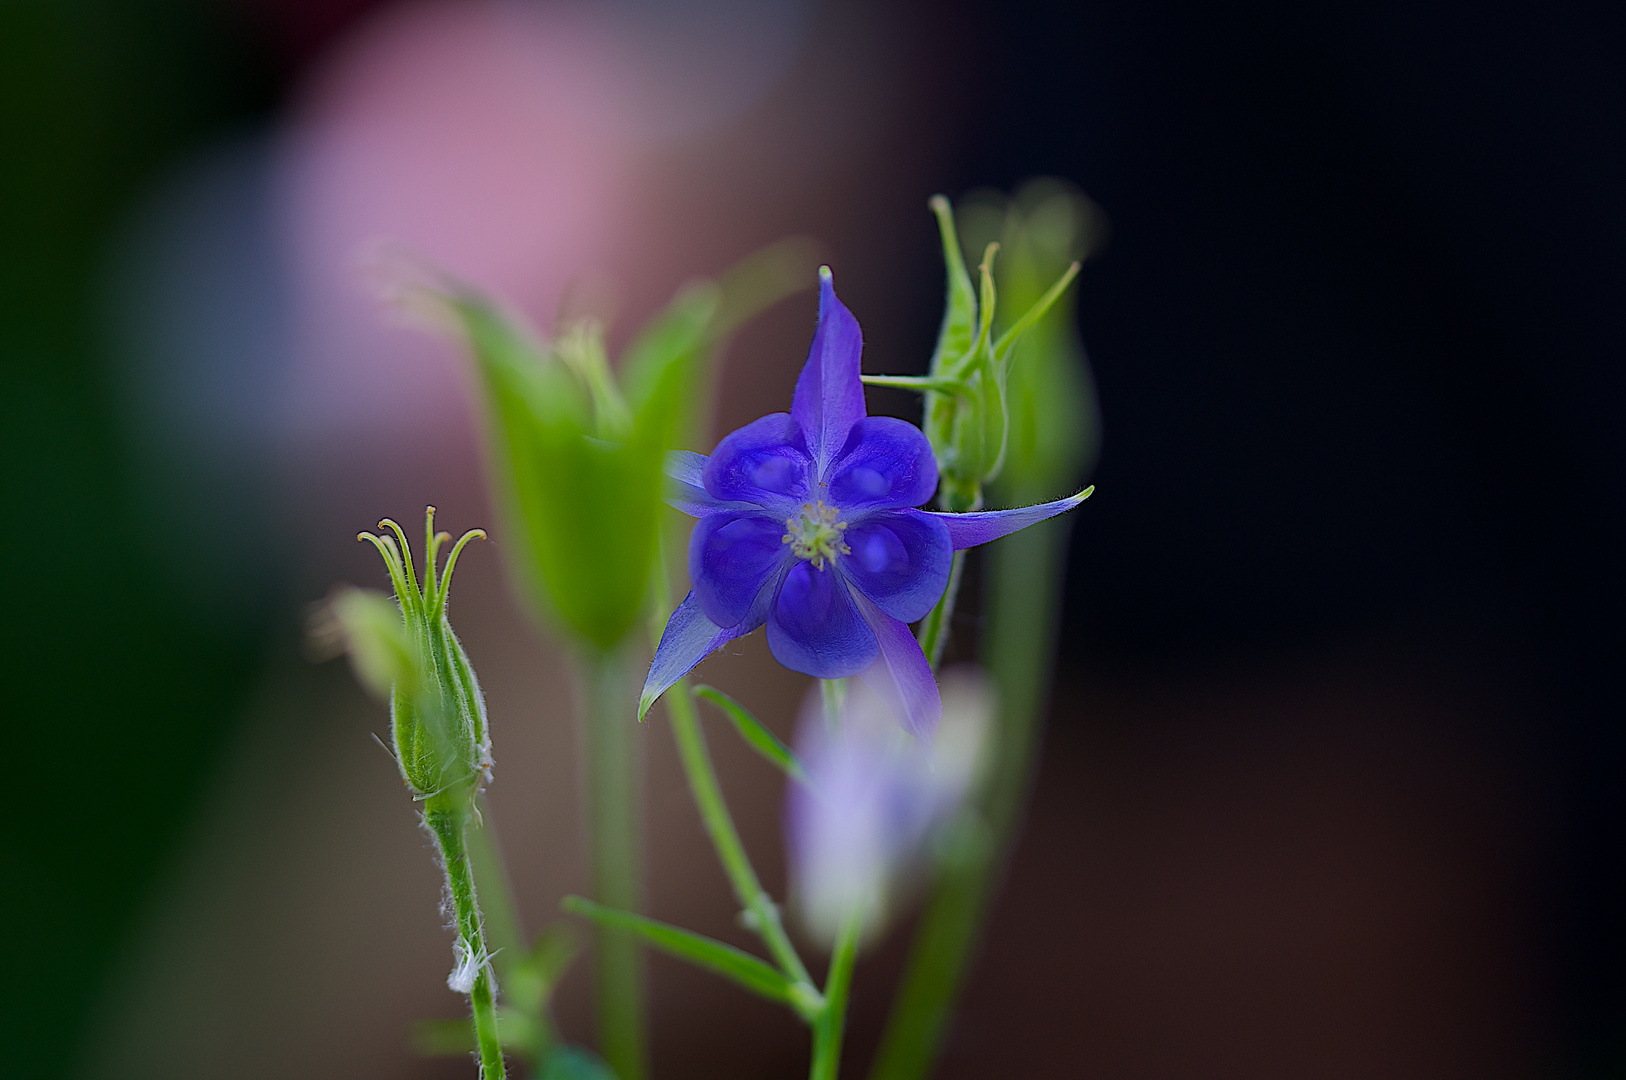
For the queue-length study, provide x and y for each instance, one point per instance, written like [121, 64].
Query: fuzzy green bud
[407, 651]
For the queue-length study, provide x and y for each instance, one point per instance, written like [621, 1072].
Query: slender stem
[934, 630]
[447, 823]
[612, 821]
[831, 1024]
[832, 692]
[708, 796]
[1019, 644]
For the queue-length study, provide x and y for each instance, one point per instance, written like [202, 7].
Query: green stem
[1023, 612]
[447, 823]
[612, 822]
[832, 693]
[831, 1024]
[934, 629]
[708, 796]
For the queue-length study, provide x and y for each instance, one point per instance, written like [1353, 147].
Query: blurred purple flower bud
[808, 524]
[875, 798]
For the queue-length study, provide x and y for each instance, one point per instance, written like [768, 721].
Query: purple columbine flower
[808, 524]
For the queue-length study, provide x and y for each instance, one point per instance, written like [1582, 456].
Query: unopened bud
[408, 651]
[967, 414]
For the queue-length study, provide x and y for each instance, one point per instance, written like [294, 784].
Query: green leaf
[756, 736]
[748, 971]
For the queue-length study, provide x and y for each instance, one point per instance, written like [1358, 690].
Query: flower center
[816, 535]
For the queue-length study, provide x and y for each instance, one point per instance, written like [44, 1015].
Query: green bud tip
[430, 597]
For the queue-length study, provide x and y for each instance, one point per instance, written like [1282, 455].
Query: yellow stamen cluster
[817, 534]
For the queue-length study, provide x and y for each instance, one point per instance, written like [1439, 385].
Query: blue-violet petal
[815, 628]
[765, 462]
[887, 462]
[732, 558]
[900, 561]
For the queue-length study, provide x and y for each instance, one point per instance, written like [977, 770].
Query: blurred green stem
[612, 823]
[1023, 610]
[446, 816]
[831, 1024]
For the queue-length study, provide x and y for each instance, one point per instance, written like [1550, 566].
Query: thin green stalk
[934, 629]
[612, 822]
[831, 1024]
[832, 692]
[708, 797]
[447, 823]
[1023, 611]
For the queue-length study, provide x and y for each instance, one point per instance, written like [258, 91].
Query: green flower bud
[407, 651]
[967, 414]
[1050, 397]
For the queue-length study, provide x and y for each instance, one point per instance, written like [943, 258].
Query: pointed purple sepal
[901, 675]
[829, 396]
[689, 638]
[979, 527]
[686, 485]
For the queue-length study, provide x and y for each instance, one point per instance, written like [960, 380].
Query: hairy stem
[831, 1024]
[708, 797]
[612, 823]
[447, 823]
[1023, 610]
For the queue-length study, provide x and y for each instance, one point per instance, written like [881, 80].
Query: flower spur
[808, 524]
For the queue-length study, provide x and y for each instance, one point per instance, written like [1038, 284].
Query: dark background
[1346, 609]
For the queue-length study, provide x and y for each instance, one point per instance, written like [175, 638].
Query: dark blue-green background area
[1358, 336]
[119, 696]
